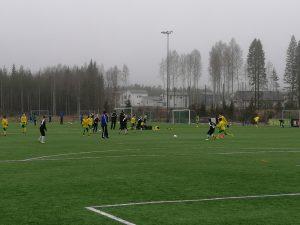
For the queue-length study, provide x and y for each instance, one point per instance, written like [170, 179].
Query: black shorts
[42, 131]
[211, 131]
[123, 126]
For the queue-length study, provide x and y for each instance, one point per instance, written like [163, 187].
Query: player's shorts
[4, 128]
[211, 131]
[221, 131]
[23, 125]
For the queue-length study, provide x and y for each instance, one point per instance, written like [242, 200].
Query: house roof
[264, 95]
[137, 91]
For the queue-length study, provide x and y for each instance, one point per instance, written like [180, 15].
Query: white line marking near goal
[109, 216]
[94, 208]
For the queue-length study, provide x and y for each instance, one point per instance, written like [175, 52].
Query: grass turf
[150, 166]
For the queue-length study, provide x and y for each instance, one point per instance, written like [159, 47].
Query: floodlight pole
[168, 75]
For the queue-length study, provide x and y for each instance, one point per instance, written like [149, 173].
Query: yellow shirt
[4, 123]
[133, 120]
[224, 120]
[24, 120]
[85, 122]
[221, 125]
[256, 119]
[90, 121]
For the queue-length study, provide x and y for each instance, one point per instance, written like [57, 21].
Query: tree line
[61, 89]
[184, 73]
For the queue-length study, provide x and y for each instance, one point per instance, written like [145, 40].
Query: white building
[140, 98]
[134, 96]
[177, 100]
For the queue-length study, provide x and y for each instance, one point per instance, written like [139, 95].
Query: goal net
[127, 111]
[291, 117]
[184, 116]
[39, 113]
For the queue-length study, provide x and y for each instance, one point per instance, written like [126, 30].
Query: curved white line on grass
[94, 208]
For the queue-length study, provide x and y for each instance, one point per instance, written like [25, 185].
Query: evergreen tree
[290, 78]
[298, 71]
[256, 69]
[275, 79]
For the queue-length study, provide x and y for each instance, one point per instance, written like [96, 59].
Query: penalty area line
[110, 216]
[97, 210]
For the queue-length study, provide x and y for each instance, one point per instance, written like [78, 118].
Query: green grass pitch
[150, 166]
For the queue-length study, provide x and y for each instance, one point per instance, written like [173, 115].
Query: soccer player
[211, 131]
[256, 120]
[104, 122]
[281, 123]
[139, 123]
[133, 122]
[4, 123]
[123, 123]
[113, 117]
[222, 118]
[43, 130]
[85, 125]
[95, 125]
[90, 122]
[197, 121]
[24, 123]
[222, 128]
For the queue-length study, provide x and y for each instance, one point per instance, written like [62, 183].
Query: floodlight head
[167, 32]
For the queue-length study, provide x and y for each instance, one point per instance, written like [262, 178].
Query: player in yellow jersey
[24, 123]
[4, 123]
[90, 123]
[85, 125]
[221, 127]
[133, 122]
[225, 121]
[256, 120]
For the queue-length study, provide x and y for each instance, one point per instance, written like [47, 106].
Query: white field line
[94, 208]
[67, 154]
[50, 157]
[99, 157]
[110, 216]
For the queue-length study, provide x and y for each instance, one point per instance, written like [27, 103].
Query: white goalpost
[126, 110]
[291, 117]
[182, 116]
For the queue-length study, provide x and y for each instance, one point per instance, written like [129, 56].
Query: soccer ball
[175, 136]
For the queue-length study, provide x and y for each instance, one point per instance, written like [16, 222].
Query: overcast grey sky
[39, 33]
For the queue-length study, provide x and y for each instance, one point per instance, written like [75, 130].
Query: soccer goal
[85, 112]
[291, 117]
[127, 111]
[39, 113]
[183, 116]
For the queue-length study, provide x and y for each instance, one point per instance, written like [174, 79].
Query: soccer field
[252, 178]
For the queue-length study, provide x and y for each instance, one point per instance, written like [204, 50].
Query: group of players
[221, 123]
[24, 122]
[90, 123]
